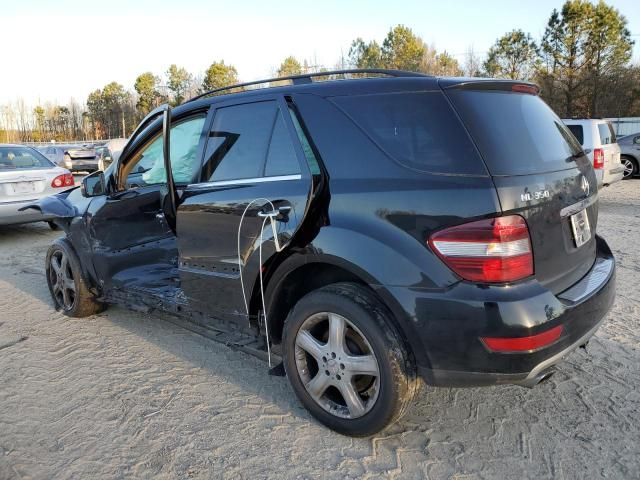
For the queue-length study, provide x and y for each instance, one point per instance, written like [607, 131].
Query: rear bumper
[446, 328]
[613, 174]
[10, 214]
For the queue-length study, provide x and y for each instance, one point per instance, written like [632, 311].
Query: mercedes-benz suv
[365, 232]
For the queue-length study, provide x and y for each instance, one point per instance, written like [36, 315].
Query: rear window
[578, 132]
[419, 130]
[13, 158]
[606, 133]
[517, 134]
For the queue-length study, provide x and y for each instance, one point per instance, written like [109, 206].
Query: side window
[249, 141]
[577, 132]
[147, 165]
[281, 158]
[605, 134]
[309, 156]
[418, 130]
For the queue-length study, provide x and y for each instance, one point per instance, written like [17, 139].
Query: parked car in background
[55, 153]
[630, 154]
[76, 158]
[109, 152]
[81, 159]
[598, 141]
[366, 231]
[25, 176]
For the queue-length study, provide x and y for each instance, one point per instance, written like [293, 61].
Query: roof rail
[306, 78]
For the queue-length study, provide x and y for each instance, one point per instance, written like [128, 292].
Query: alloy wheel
[61, 279]
[337, 365]
[628, 167]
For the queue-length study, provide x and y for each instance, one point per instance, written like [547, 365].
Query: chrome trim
[532, 379]
[245, 181]
[483, 249]
[16, 202]
[581, 205]
[597, 276]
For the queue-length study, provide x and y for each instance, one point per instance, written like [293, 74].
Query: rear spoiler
[492, 84]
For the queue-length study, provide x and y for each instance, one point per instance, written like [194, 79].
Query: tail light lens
[64, 180]
[522, 88]
[523, 344]
[495, 250]
[598, 158]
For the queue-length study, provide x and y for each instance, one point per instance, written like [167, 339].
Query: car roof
[337, 87]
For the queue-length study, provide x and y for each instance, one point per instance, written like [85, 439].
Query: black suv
[366, 231]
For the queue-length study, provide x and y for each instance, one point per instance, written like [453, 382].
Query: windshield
[13, 158]
[517, 134]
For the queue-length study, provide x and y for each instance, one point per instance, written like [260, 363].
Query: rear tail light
[598, 158]
[64, 180]
[494, 250]
[522, 344]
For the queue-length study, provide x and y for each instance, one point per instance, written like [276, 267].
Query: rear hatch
[81, 153]
[539, 171]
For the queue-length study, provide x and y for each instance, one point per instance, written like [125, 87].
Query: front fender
[67, 204]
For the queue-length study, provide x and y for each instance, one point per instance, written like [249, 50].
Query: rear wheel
[66, 285]
[345, 361]
[630, 167]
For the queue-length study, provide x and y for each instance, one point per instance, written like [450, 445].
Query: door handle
[282, 211]
[124, 195]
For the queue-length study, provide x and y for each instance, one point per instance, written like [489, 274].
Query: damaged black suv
[366, 231]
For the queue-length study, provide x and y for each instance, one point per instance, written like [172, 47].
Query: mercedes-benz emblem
[585, 186]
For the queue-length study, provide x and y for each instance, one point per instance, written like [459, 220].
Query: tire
[53, 226]
[66, 284]
[371, 341]
[630, 167]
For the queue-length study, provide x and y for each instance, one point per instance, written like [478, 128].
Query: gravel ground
[122, 395]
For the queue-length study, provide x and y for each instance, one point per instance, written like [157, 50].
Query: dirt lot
[125, 394]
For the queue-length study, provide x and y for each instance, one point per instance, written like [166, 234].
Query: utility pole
[124, 129]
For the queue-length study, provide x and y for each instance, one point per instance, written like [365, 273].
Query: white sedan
[25, 176]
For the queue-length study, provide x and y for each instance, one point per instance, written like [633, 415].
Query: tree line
[582, 64]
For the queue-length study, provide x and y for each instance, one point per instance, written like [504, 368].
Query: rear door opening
[540, 172]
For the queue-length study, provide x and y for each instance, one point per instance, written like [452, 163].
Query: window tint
[12, 158]
[417, 129]
[238, 141]
[517, 134]
[184, 140]
[281, 158]
[309, 156]
[578, 132]
[606, 134]
[248, 141]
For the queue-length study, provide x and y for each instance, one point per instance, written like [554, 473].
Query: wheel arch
[300, 274]
[84, 271]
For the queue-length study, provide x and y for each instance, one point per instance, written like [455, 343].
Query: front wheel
[630, 167]
[66, 285]
[345, 361]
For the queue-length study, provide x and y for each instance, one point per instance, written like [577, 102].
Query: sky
[54, 50]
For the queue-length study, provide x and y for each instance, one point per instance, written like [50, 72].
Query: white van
[599, 142]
